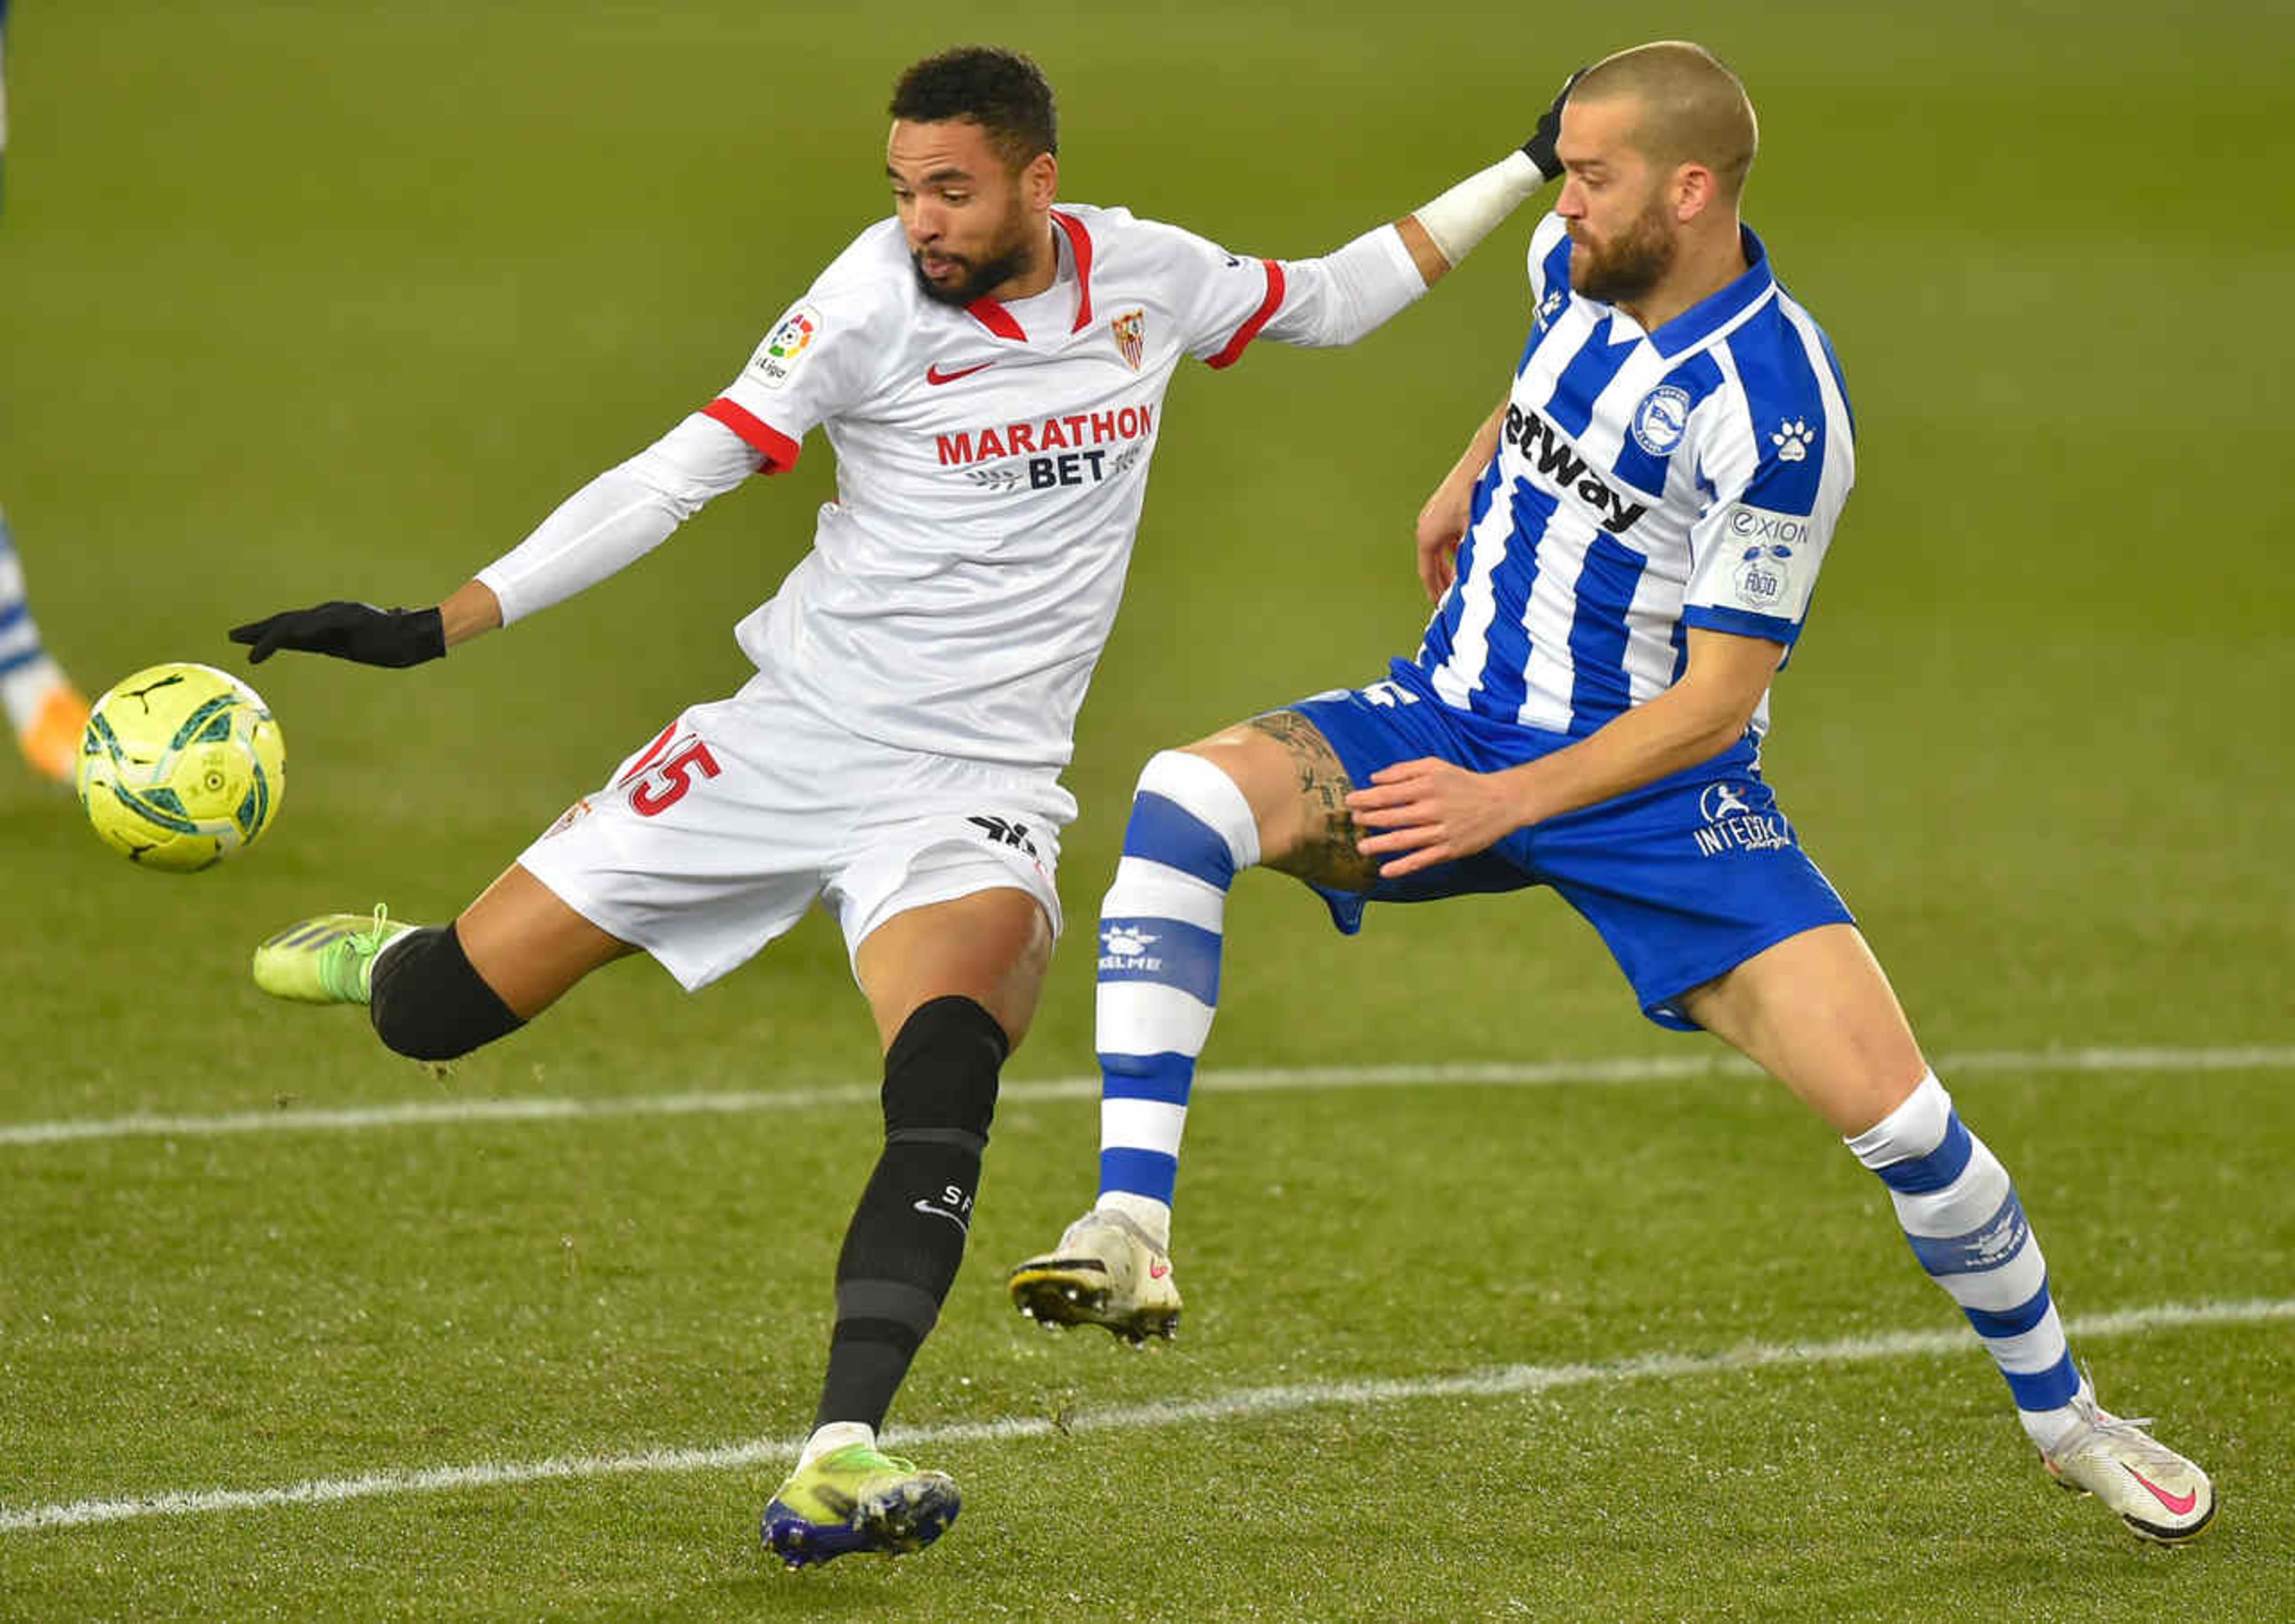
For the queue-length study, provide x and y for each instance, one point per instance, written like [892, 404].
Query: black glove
[1539, 148]
[349, 632]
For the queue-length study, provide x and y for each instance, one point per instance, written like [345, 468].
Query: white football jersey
[992, 461]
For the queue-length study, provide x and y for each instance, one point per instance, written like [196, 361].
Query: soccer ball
[181, 766]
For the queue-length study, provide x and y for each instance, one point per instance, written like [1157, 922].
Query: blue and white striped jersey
[1645, 483]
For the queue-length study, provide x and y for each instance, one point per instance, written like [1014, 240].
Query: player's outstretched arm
[347, 631]
[471, 611]
[1352, 290]
[1445, 230]
[370, 636]
[611, 522]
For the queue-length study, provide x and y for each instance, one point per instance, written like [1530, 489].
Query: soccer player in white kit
[989, 367]
[1620, 563]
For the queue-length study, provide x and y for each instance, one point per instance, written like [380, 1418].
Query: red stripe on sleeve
[1260, 317]
[779, 451]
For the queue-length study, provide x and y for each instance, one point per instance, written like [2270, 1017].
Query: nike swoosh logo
[933, 374]
[1156, 1271]
[2180, 1504]
[927, 1207]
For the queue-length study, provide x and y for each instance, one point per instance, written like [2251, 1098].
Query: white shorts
[716, 838]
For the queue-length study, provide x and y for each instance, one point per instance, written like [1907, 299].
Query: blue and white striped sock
[1966, 1225]
[1191, 832]
[27, 674]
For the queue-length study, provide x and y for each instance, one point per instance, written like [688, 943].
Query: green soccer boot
[857, 1498]
[326, 960]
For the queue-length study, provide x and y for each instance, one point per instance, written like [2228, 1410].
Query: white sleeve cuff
[1471, 211]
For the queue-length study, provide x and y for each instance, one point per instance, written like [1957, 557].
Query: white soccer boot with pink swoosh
[1106, 1271]
[2156, 1492]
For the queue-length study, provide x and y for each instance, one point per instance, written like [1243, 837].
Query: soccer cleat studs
[1105, 1272]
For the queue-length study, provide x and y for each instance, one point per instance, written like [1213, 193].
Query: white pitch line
[1249, 1403]
[1543, 1073]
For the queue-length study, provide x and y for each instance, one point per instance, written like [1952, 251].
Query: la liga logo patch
[776, 360]
[796, 333]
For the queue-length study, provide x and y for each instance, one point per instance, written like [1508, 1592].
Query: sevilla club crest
[1131, 336]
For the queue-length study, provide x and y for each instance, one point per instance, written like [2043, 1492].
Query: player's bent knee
[1184, 775]
[426, 1001]
[1288, 777]
[940, 1071]
[1915, 1127]
[1217, 831]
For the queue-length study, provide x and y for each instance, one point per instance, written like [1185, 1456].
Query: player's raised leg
[435, 993]
[47, 712]
[952, 986]
[1268, 791]
[1816, 1012]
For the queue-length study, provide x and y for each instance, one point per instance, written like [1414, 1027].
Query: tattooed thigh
[1324, 850]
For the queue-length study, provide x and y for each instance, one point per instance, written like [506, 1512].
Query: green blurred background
[300, 301]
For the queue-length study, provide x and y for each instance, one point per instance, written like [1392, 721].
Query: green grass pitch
[337, 299]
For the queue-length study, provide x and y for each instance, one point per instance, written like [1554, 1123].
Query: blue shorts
[1685, 878]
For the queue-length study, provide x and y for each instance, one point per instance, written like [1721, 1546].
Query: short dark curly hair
[1003, 91]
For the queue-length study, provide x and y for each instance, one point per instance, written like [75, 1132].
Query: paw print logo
[1551, 307]
[1792, 439]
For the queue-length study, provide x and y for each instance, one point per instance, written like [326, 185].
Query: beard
[1630, 265]
[978, 276]
[1007, 258]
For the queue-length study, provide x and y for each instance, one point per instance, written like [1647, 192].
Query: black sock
[428, 1003]
[907, 1236]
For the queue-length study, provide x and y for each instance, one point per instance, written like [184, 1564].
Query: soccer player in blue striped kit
[1621, 561]
[45, 710]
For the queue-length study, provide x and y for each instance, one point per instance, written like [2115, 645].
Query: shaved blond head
[1692, 109]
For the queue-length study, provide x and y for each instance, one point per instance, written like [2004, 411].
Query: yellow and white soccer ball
[181, 766]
